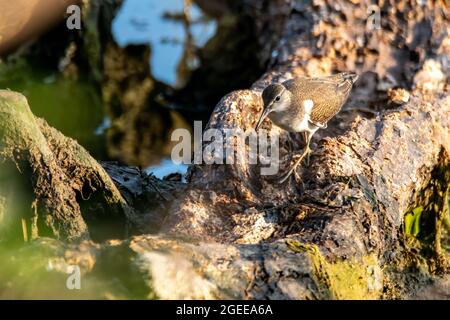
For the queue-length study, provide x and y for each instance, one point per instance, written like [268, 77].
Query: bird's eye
[278, 98]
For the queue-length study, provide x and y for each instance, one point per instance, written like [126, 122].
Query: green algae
[343, 279]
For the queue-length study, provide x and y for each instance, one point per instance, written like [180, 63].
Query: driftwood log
[369, 217]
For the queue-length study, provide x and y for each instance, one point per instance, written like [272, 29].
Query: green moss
[344, 279]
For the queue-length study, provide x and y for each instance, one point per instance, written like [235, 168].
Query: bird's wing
[328, 94]
[328, 100]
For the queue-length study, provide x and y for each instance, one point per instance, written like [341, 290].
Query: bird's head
[276, 98]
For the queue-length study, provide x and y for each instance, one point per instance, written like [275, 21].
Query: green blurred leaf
[412, 222]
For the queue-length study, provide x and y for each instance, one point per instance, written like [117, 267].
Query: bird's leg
[289, 143]
[306, 152]
[307, 136]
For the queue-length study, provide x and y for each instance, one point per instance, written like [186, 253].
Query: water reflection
[166, 167]
[169, 28]
[174, 31]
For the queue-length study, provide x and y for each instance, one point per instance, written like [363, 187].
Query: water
[146, 22]
[73, 107]
[36, 271]
[160, 24]
[166, 167]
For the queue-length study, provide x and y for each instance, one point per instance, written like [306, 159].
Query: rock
[398, 96]
[61, 174]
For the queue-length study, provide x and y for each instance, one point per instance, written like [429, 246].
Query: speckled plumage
[306, 104]
[328, 95]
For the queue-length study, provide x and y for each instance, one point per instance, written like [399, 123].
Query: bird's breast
[288, 122]
[292, 122]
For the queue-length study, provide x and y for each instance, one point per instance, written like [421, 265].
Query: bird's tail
[350, 76]
[347, 79]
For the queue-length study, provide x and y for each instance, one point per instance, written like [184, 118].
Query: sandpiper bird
[305, 105]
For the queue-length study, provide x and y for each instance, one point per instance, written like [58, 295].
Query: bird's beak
[264, 114]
